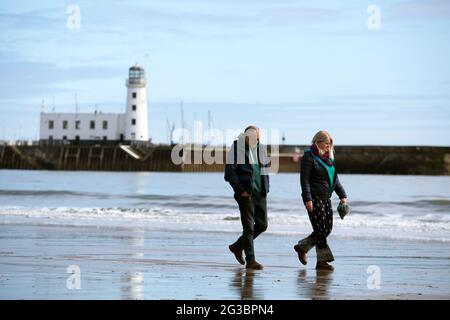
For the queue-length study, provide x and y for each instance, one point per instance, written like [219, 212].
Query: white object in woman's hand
[309, 205]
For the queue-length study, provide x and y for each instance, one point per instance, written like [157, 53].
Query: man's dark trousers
[253, 211]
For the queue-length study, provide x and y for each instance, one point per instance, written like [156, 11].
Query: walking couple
[247, 172]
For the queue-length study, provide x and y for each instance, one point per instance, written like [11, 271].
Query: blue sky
[297, 66]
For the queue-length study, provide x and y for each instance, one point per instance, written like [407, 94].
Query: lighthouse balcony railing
[136, 81]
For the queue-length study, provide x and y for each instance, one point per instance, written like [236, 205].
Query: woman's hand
[309, 206]
[245, 194]
[344, 200]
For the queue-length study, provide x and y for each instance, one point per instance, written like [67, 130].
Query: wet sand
[141, 263]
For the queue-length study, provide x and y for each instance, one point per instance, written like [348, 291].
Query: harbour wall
[403, 160]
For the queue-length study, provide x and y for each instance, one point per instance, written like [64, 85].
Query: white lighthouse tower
[136, 121]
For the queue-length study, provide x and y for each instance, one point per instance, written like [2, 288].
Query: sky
[292, 66]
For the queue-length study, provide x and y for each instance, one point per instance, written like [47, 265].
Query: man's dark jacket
[240, 175]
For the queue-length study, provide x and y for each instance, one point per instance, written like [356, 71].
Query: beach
[131, 236]
[132, 263]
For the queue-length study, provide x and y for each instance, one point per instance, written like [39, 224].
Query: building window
[134, 95]
[65, 124]
[50, 138]
[133, 107]
[105, 138]
[133, 121]
[77, 138]
[77, 124]
[51, 124]
[105, 124]
[92, 125]
[64, 137]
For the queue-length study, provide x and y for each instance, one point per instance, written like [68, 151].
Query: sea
[382, 206]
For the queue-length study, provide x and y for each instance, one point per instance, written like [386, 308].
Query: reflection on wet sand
[315, 288]
[243, 281]
[133, 280]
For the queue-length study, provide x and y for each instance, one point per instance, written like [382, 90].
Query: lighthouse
[136, 121]
[132, 125]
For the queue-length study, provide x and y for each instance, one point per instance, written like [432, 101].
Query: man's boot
[252, 264]
[237, 253]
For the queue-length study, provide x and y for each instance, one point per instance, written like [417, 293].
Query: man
[247, 172]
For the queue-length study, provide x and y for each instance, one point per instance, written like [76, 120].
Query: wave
[226, 201]
[45, 193]
[423, 224]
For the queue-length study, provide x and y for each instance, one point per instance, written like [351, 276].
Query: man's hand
[344, 200]
[245, 194]
[309, 206]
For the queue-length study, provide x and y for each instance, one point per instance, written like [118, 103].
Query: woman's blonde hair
[323, 136]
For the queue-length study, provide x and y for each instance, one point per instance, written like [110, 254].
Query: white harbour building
[129, 126]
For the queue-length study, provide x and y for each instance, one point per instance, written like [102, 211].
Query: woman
[319, 179]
